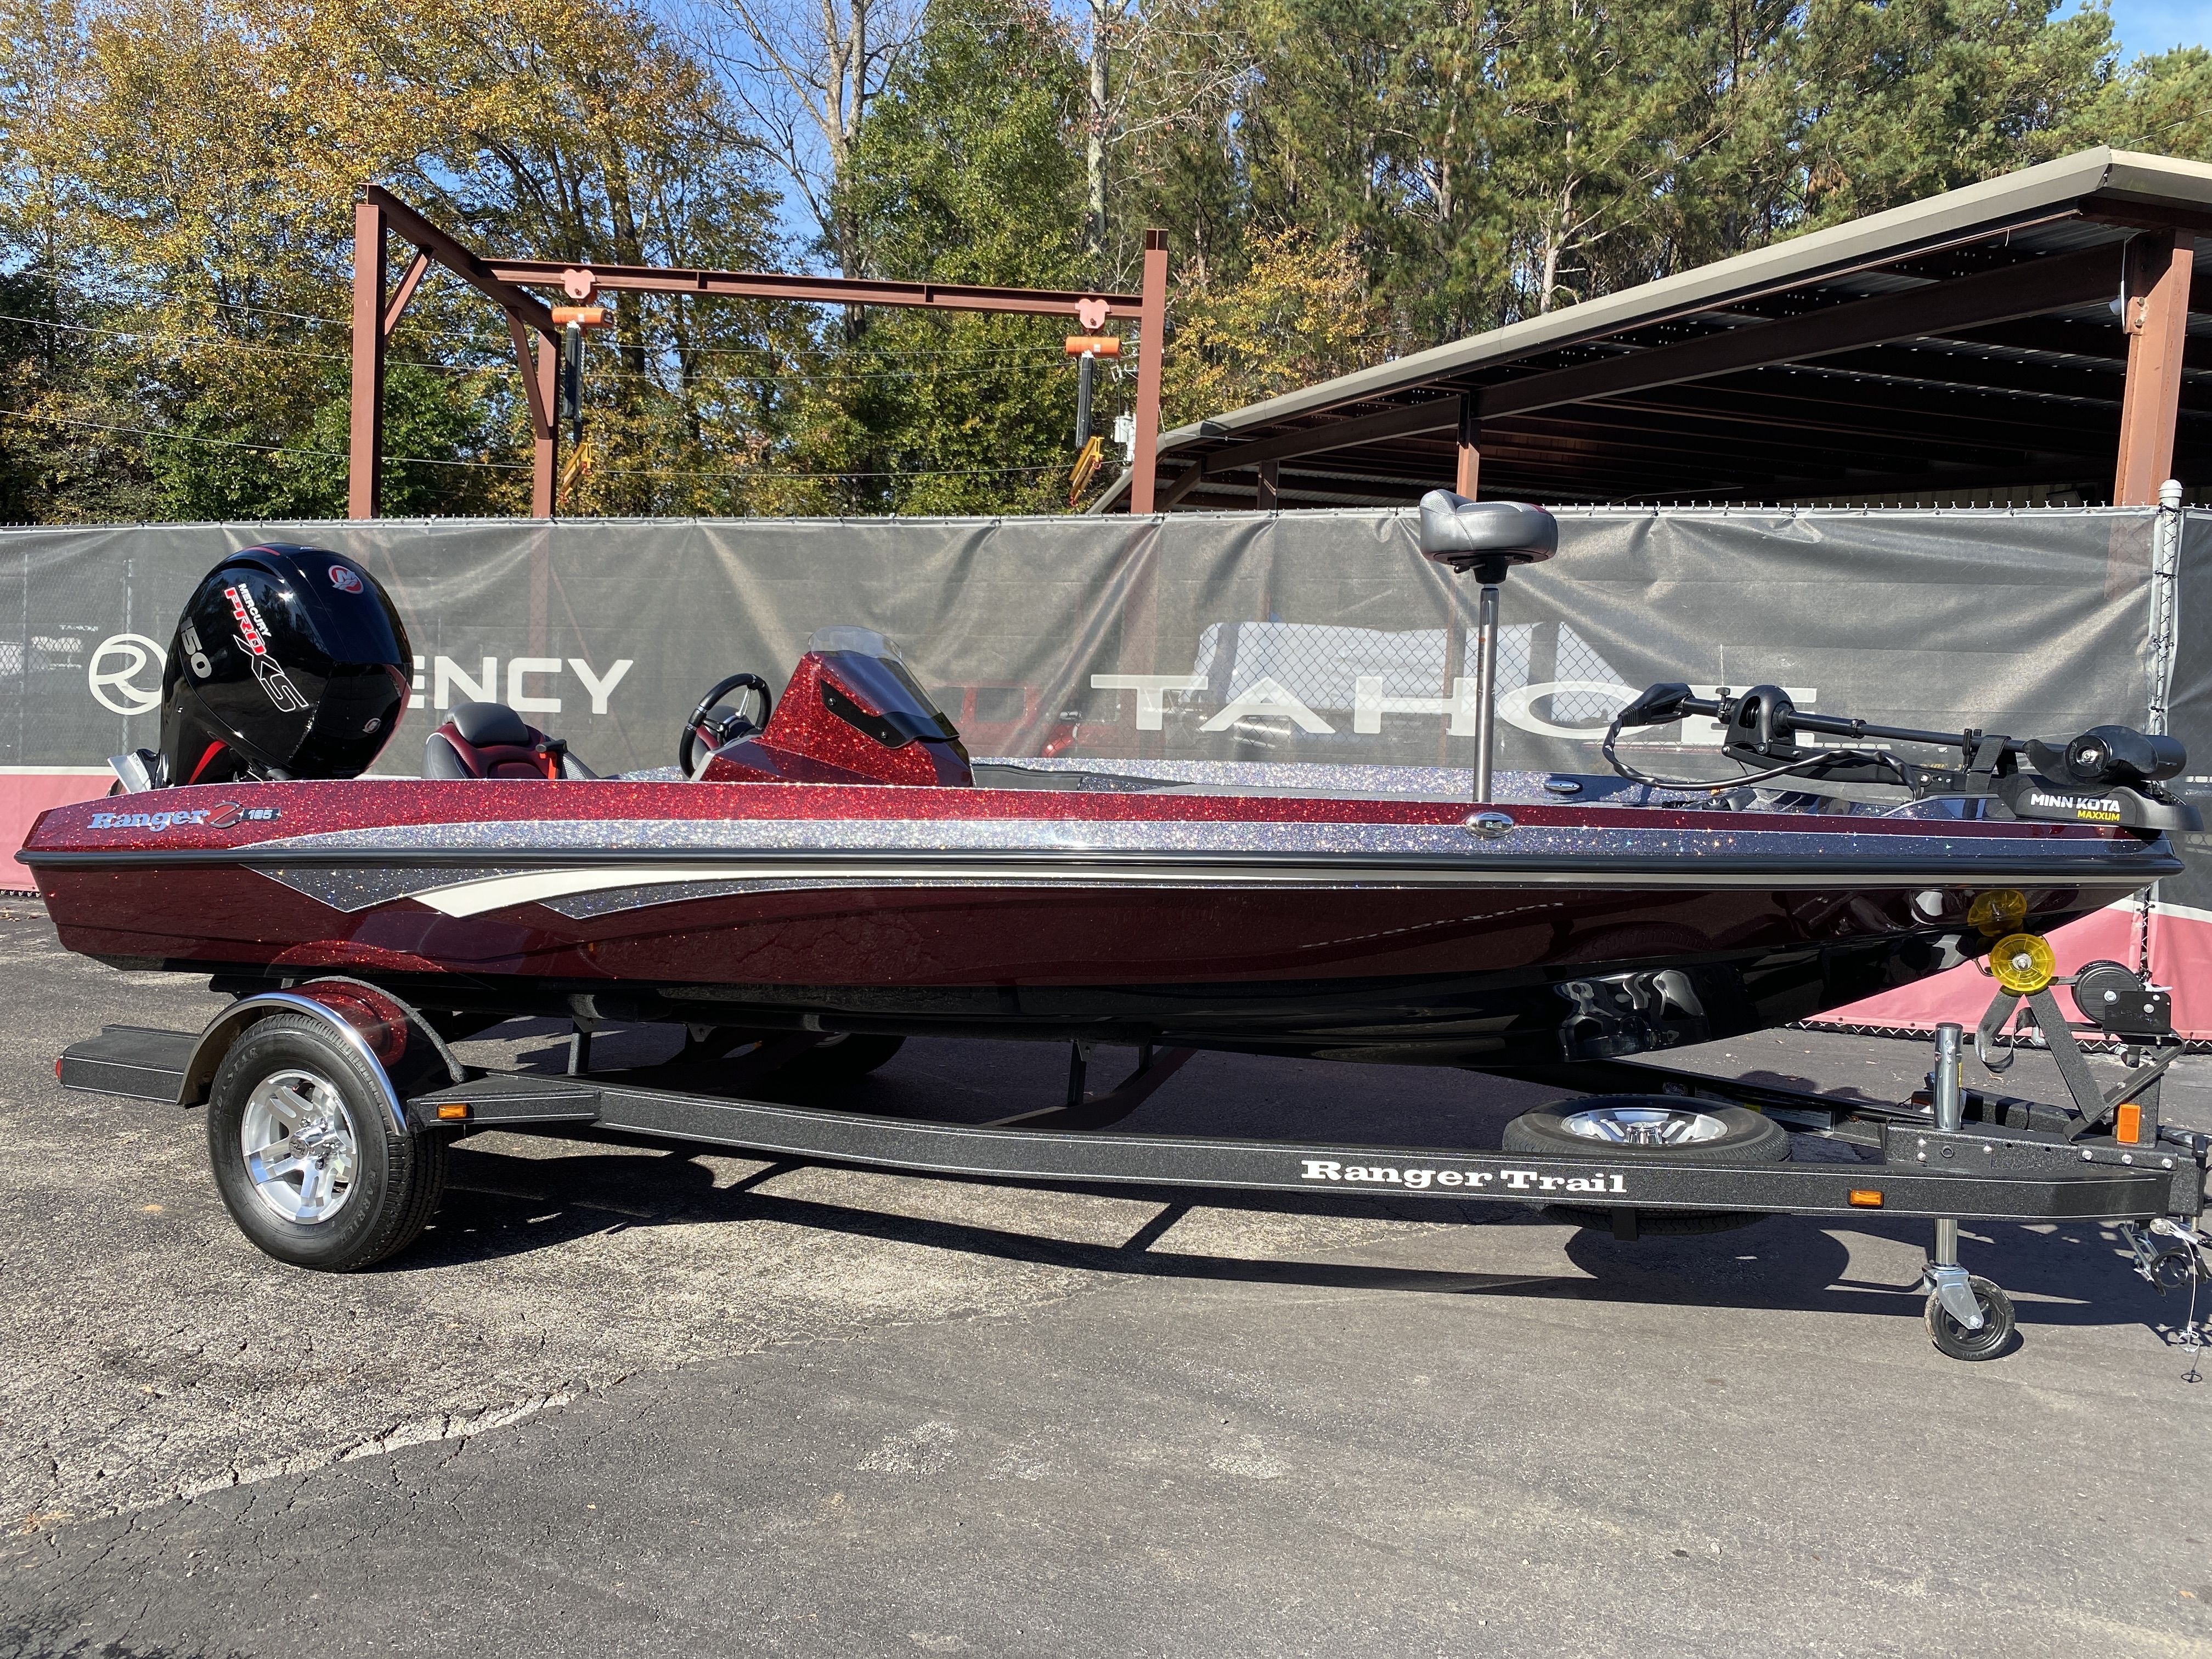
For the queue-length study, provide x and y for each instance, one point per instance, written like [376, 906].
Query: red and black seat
[489, 740]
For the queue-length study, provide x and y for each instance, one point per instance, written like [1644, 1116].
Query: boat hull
[1354, 929]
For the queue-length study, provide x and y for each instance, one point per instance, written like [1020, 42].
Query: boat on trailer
[824, 873]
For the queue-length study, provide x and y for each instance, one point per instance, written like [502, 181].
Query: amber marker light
[2127, 1124]
[455, 1111]
[1866, 1197]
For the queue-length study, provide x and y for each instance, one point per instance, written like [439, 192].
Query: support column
[545, 462]
[540, 378]
[1152, 325]
[2154, 311]
[1270, 474]
[365, 450]
[1470, 448]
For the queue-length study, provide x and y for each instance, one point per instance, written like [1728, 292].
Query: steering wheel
[728, 725]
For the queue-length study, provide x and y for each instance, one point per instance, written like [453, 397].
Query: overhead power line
[233, 443]
[829, 377]
[766, 474]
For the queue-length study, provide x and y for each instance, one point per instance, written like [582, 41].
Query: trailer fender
[388, 1036]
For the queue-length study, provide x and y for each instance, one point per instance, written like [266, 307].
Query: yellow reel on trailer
[2023, 963]
[1999, 910]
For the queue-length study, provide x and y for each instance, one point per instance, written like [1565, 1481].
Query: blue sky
[2156, 25]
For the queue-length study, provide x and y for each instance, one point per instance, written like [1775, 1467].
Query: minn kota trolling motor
[2109, 774]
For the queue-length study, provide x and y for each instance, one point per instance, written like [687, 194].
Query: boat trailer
[318, 1063]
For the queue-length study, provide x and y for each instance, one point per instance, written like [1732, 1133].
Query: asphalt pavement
[625, 1399]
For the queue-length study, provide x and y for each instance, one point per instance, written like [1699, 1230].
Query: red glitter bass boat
[840, 864]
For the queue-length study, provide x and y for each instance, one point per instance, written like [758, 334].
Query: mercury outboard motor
[289, 662]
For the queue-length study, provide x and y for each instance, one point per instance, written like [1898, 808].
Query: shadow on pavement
[2071, 1275]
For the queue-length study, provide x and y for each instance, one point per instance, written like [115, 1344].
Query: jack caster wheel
[1996, 1335]
[305, 1154]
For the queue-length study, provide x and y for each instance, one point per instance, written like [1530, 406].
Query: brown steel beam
[1185, 481]
[2145, 216]
[1936, 482]
[1436, 415]
[2155, 313]
[1683, 430]
[414, 228]
[365, 445]
[2023, 290]
[1468, 475]
[818, 290]
[1151, 356]
[1868, 420]
[537, 390]
[545, 459]
[2105, 345]
[409, 282]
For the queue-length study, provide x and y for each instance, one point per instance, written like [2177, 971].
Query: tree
[1908, 98]
[1300, 314]
[807, 73]
[2160, 103]
[964, 174]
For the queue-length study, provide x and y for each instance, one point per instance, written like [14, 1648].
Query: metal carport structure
[2031, 335]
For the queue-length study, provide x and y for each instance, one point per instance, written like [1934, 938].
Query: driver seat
[489, 740]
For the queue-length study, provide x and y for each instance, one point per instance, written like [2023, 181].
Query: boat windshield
[872, 666]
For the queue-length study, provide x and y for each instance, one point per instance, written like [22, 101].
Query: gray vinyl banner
[1303, 637]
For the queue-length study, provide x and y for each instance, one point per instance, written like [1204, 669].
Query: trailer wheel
[1994, 1338]
[1665, 1128]
[305, 1154]
[845, 1058]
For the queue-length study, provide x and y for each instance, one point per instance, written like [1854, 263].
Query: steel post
[2154, 311]
[1946, 1278]
[545, 456]
[1153, 322]
[1486, 687]
[365, 451]
[1949, 1093]
[1469, 476]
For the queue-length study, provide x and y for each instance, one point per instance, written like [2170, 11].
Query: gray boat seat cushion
[1459, 533]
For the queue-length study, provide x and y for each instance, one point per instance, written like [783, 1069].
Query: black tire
[845, 1058]
[1993, 1340]
[1745, 1137]
[396, 1180]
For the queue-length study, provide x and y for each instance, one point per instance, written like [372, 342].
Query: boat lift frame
[1947, 1155]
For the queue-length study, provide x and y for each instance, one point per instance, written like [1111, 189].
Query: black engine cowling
[289, 662]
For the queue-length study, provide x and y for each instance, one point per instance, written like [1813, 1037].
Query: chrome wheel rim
[301, 1149]
[1644, 1125]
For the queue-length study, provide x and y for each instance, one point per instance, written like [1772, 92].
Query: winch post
[1486, 686]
